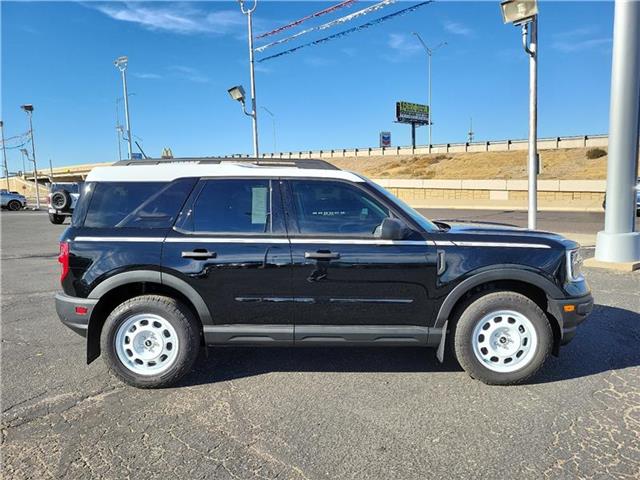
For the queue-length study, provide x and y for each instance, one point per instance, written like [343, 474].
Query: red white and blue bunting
[333, 23]
[333, 8]
[349, 31]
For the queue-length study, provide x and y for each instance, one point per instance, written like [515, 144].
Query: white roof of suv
[173, 170]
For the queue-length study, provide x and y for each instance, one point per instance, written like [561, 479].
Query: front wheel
[502, 338]
[150, 341]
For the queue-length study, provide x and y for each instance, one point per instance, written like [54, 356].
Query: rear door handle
[322, 255]
[199, 253]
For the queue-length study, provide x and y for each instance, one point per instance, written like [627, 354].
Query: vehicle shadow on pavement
[230, 363]
[607, 340]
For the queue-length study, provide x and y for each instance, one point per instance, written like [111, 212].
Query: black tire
[56, 219]
[187, 330]
[481, 307]
[61, 200]
[14, 205]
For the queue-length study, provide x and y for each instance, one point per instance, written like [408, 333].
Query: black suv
[164, 257]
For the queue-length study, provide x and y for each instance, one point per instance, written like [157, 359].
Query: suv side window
[335, 208]
[133, 204]
[232, 206]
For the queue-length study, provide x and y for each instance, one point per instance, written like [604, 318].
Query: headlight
[574, 265]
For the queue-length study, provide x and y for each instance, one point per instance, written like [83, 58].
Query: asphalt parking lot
[315, 413]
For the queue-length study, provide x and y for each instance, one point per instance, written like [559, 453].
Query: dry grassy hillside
[556, 164]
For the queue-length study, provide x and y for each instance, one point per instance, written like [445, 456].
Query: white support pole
[619, 242]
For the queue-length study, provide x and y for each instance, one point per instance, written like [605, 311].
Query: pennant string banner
[330, 24]
[340, 5]
[15, 136]
[349, 31]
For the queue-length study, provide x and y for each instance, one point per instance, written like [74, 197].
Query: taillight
[63, 258]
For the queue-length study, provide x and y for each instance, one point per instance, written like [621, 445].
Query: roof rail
[314, 163]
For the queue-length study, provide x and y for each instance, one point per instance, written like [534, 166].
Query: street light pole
[29, 110]
[273, 124]
[532, 51]
[619, 242]
[254, 112]
[4, 153]
[429, 52]
[524, 14]
[121, 64]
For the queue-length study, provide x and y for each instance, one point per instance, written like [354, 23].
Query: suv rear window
[69, 187]
[136, 204]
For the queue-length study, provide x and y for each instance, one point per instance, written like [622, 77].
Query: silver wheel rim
[146, 344]
[504, 341]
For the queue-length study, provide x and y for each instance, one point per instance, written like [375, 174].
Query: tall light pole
[524, 13]
[429, 52]
[28, 108]
[4, 154]
[254, 112]
[619, 242]
[273, 124]
[121, 64]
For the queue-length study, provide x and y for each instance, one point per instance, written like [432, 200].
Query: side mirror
[392, 229]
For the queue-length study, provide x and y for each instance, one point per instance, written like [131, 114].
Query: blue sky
[183, 57]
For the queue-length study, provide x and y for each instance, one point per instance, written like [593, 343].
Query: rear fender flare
[153, 276]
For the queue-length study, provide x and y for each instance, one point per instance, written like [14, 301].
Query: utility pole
[51, 170]
[470, 133]
[121, 64]
[24, 153]
[619, 241]
[4, 154]
[430, 52]
[254, 112]
[28, 108]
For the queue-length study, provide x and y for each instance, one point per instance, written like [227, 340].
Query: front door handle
[199, 254]
[322, 255]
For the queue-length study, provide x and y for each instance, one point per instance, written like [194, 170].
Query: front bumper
[68, 309]
[577, 309]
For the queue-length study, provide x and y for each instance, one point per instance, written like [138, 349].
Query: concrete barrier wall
[552, 194]
[584, 141]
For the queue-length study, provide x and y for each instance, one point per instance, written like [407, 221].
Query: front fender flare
[525, 276]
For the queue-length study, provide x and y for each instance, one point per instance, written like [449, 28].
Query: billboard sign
[385, 139]
[407, 112]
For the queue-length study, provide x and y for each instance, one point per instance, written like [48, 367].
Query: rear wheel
[14, 205]
[150, 341]
[57, 219]
[502, 338]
